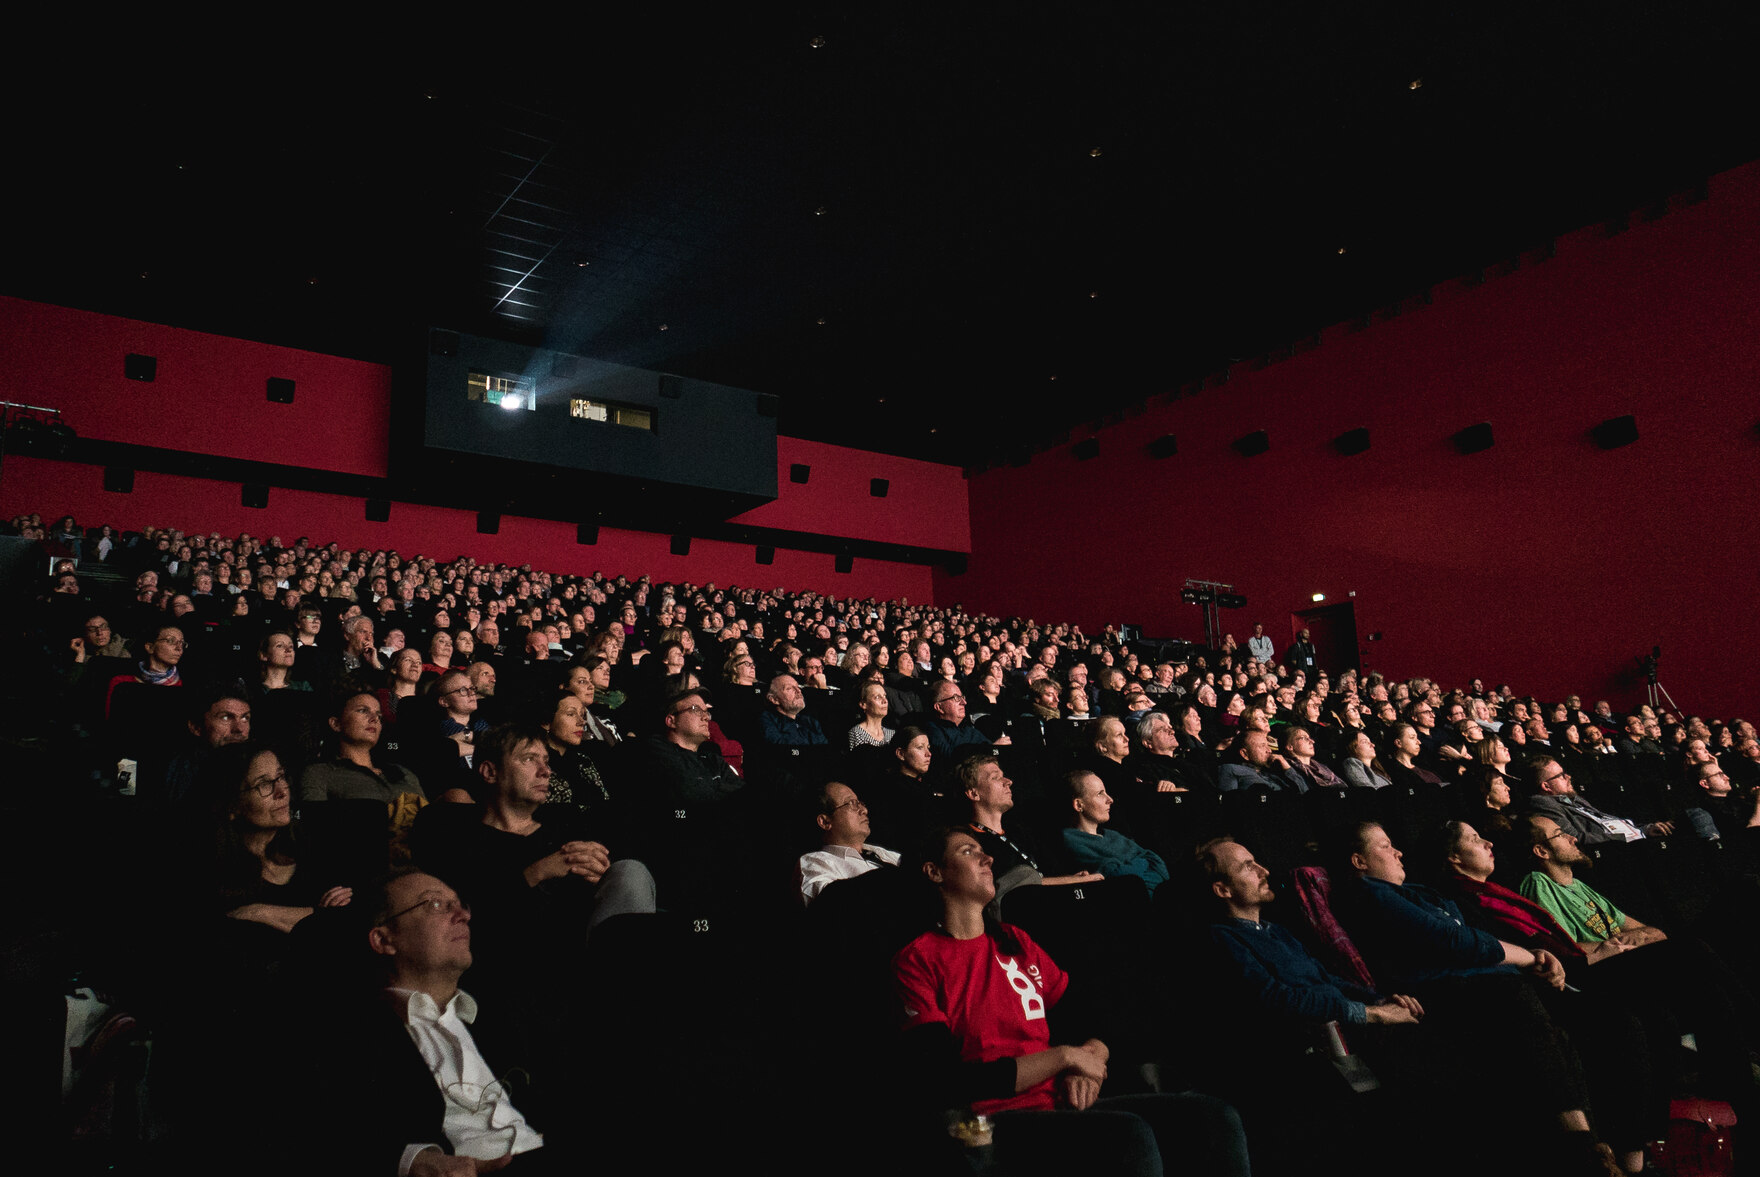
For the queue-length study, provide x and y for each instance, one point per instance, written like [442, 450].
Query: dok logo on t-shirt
[1026, 986]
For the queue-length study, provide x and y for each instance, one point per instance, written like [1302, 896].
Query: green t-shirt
[1579, 909]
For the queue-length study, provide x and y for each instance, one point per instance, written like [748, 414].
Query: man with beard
[1584, 913]
[1685, 978]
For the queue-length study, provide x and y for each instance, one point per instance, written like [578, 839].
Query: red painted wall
[1544, 561]
[925, 505]
[208, 394]
[55, 488]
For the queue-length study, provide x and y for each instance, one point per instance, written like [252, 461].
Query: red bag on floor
[1701, 1139]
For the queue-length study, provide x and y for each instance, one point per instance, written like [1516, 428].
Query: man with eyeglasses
[1556, 798]
[1636, 739]
[98, 641]
[1587, 916]
[845, 852]
[1716, 809]
[950, 729]
[689, 820]
[1421, 714]
[427, 1082]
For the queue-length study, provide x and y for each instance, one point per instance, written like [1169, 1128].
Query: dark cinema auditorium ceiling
[956, 232]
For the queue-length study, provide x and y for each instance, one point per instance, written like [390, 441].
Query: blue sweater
[1112, 854]
[1278, 973]
[1410, 934]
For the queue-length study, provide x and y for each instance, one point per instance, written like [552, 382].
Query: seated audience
[715, 847]
[1416, 940]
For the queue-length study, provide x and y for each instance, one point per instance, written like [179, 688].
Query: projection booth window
[509, 392]
[611, 413]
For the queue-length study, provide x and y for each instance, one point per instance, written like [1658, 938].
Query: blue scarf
[159, 678]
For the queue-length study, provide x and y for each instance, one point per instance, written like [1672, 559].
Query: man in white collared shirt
[843, 827]
[425, 936]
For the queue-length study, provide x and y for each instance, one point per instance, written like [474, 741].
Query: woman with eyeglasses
[257, 842]
[740, 670]
[160, 655]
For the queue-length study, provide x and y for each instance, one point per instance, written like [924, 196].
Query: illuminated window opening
[610, 413]
[507, 392]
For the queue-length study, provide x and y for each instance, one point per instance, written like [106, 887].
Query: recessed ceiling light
[1318, 597]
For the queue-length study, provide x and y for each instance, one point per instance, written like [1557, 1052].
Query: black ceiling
[948, 231]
